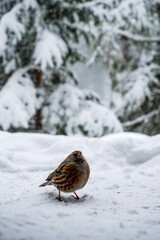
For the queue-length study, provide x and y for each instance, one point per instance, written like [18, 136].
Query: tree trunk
[38, 116]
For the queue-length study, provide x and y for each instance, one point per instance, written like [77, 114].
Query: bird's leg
[76, 196]
[59, 196]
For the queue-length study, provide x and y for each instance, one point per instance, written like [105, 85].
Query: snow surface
[121, 201]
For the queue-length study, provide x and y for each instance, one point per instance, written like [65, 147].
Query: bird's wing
[49, 178]
[65, 168]
[67, 173]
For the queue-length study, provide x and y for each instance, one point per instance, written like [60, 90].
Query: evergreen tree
[39, 40]
[129, 46]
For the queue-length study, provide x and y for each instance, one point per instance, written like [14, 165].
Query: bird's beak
[78, 154]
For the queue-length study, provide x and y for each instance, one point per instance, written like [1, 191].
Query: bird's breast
[79, 160]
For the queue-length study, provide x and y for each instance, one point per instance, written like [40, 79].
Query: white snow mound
[120, 201]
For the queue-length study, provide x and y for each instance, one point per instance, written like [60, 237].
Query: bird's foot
[76, 197]
[59, 199]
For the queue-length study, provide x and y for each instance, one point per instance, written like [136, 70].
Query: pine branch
[137, 38]
[141, 119]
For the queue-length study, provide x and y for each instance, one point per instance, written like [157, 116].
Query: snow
[141, 119]
[136, 38]
[30, 4]
[94, 78]
[9, 22]
[17, 101]
[121, 200]
[50, 48]
[76, 111]
[138, 84]
[118, 13]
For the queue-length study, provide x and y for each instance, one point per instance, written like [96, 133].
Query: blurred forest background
[80, 67]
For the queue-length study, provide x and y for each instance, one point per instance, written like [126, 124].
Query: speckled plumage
[71, 175]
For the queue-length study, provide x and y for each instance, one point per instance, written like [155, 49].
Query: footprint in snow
[68, 199]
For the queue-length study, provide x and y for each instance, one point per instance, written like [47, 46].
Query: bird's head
[76, 155]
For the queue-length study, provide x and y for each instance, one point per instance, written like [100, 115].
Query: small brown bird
[71, 175]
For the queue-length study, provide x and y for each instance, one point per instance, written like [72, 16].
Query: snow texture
[139, 19]
[17, 101]
[94, 78]
[49, 49]
[9, 22]
[138, 84]
[79, 112]
[121, 200]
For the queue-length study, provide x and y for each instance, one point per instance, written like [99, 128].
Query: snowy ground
[120, 202]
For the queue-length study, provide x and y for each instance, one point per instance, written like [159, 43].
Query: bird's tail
[43, 184]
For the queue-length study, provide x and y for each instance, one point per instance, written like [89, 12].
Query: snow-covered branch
[9, 23]
[72, 111]
[137, 38]
[17, 101]
[140, 119]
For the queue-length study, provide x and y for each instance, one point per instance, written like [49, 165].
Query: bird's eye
[75, 154]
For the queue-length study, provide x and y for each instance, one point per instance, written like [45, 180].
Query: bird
[71, 175]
